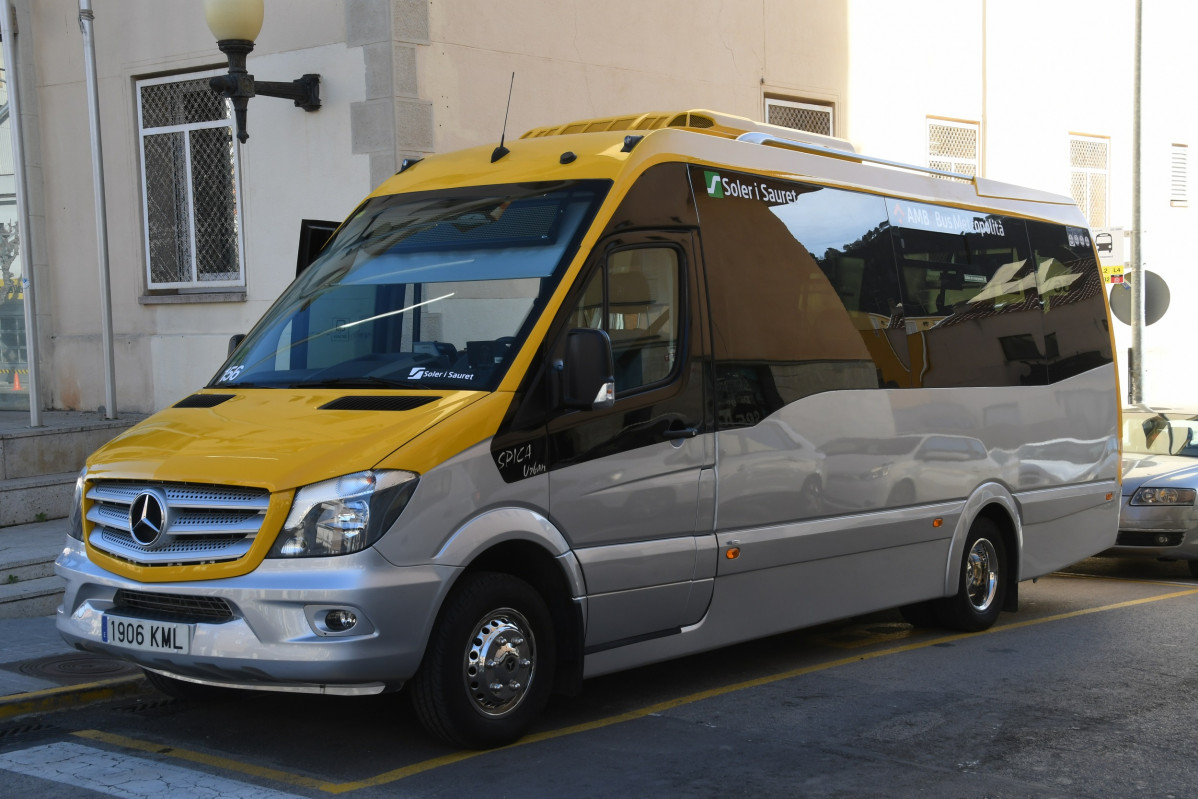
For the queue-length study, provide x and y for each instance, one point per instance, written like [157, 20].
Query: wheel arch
[524, 544]
[994, 502]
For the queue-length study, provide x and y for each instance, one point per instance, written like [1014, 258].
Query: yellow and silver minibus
[627, 390]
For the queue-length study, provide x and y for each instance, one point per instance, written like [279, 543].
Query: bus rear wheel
[982, 587]
[489, 666]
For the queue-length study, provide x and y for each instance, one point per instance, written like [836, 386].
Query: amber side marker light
[1110, 495]
[733, 553]
[937, 522]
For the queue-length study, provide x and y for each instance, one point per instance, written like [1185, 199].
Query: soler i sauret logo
[715, 186]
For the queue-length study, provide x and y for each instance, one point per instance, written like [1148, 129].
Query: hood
[276, 439]
[1159, 471]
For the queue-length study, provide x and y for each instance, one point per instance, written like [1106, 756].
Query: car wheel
[489, 665]
[1193, 564]
[983, 583]
[188, 691]
[919, 614]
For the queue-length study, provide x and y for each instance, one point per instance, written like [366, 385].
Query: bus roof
[616, 148]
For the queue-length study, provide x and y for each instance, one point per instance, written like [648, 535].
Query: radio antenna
[501, 151]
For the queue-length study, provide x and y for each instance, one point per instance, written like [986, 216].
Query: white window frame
[955, 164]
[802, 106]
[1089, 172]
[195, 283]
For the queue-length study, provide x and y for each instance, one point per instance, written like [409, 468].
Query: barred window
[190, 174]
[808, 117]
[1089, 173]
[953, 146]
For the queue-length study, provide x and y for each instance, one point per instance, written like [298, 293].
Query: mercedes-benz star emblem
[148, 519]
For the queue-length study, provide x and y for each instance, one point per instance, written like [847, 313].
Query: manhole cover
[73, 668]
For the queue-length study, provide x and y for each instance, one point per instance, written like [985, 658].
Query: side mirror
[235, 342]
[586, 371]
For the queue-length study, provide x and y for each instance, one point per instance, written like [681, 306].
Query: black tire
[983, 585]
[1193, 564]
[188, 691]
[491, 626]
[920, 614]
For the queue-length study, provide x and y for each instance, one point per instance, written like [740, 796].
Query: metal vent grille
[173, 607]
[1089, 159]
[377, 403]
[807, 117]
[1179, 176]
[953, 147]
[203, 400]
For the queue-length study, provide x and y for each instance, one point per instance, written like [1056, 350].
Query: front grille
[172, 607]
[1147, 538]
[203, 523]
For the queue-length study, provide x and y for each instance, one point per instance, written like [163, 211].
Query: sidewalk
[39, 672]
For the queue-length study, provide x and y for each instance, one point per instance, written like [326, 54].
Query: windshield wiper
[359, 381]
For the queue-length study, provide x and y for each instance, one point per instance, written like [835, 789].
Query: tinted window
[781, 329]
[1075, 320]
[969, 296]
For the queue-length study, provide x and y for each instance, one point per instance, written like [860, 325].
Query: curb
[71, 696]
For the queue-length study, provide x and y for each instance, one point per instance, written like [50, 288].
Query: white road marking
[126, 776]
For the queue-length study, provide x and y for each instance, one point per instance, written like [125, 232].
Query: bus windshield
[421, 290]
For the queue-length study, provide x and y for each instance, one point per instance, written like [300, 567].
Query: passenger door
[632, 487]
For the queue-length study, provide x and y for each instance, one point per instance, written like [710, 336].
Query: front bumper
[1167, 531]
[273, 638]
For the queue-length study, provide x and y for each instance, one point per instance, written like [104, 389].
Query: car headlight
[75, 530]
[1163, 496]
[343, 515]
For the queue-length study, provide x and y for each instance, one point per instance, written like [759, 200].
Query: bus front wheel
[489, 665]
[982, 586]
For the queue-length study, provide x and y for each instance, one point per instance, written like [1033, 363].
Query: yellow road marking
[395, 775]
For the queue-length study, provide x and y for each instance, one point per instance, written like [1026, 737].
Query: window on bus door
[635, 298]
[970, 298]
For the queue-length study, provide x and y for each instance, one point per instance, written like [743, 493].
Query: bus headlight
[1163, 496]
[343, 515]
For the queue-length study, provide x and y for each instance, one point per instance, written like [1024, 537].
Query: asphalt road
[1091, 690]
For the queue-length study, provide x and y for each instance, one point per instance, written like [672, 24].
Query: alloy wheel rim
[500, 662]
[981, 578]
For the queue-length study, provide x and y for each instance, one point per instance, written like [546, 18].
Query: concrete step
[63, 444]
[30, 598]
[28, 585]
[26, 500]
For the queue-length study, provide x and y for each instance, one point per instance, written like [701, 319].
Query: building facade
[203, 232]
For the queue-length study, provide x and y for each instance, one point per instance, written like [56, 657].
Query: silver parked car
[1158, 516]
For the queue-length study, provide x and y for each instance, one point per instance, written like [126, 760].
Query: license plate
[146, 636]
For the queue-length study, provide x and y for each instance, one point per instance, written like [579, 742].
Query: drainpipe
[8, 31]
[86, 21]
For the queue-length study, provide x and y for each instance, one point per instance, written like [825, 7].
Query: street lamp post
[236, 24]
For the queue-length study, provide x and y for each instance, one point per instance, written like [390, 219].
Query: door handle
[676, 433]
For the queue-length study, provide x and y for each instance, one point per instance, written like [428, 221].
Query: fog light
[1162, 539]
[338, 621]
